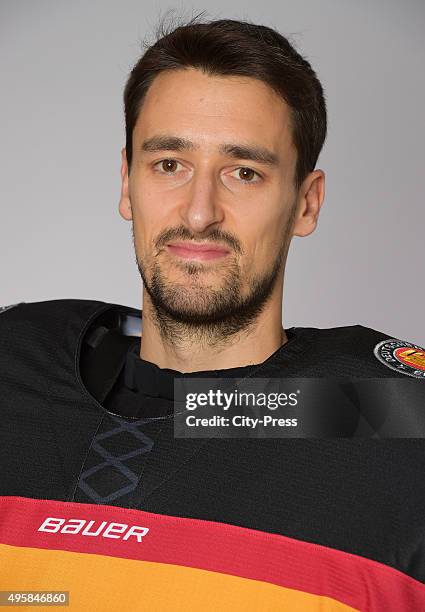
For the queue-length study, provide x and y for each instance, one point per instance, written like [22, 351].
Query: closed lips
[198, 247]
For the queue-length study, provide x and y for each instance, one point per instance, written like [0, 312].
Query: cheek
[141, 199]
[142, 235]
[268, 239]
[147, 220]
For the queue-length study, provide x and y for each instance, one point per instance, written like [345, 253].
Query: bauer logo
[94, 529]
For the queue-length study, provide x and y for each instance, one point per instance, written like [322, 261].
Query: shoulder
[9, 306]
[23, 321]
[23, 310]
[37, 336]
[49, 318]
[360, 351]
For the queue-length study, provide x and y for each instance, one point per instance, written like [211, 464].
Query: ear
[309, 201]
[125, 204]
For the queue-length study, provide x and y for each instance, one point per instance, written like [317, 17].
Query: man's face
[213, 164]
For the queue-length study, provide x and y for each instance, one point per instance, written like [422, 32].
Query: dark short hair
[227, 47]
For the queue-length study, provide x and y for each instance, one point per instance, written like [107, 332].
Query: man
[224, 125]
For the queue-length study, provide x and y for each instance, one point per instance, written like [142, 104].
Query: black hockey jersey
[122, 515]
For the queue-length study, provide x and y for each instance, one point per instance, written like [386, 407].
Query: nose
[201, 208]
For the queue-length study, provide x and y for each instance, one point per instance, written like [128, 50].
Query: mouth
[200, 252]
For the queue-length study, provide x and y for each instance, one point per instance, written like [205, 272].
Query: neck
[184, 348]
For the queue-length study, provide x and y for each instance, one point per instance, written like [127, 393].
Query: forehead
[212, 109]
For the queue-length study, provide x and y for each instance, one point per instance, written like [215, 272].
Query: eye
[168, 166]
[247, 175]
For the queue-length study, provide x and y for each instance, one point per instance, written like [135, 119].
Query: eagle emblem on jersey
[402, 356]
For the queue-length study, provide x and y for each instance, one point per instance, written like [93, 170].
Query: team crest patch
[402, 356]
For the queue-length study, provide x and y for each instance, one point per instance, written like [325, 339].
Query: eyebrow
[254, 153]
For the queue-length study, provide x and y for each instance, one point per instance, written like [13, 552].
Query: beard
[199, 313]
